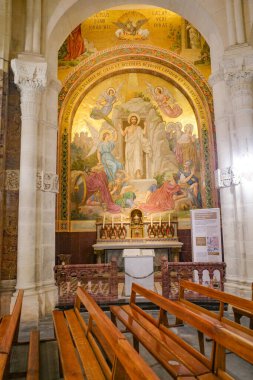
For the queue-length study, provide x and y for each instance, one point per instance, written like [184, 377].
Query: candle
[104, 221]
[160, 220]
[151, 221]
[112, 222]
[121, 220]
[169, 220]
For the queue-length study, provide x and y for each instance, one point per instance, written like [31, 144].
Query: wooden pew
[160, 340]
[231, 335]
[32, 372]
[179, 358]
[9, 329]
[97, 350]
[223, 299]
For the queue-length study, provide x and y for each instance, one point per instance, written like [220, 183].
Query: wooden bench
[170, 349]
[179, 358]
[239, 312]
[32, 372]
[9, 329]
[231, 335]
[97, 349]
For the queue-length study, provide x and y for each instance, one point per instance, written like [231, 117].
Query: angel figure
[165, 100]
[104, 144]
[105, 156]
[131, 28]
[105, 103]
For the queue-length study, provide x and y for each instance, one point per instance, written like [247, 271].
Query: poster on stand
[206, 238]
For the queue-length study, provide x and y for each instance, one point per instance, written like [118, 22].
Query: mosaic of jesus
[134, 143]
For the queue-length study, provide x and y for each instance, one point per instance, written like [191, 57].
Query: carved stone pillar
[46, 197]
[224, 137]
[33, 26]
[30, 77]
[230, 22]
[240, 83]
[239, 24]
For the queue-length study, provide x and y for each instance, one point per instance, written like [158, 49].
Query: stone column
[46, 197]
[224, 138]
[240, 83]
[239, 24]
[37, 26]
[29, 26]
[230, 22]
[30, 77]
[33, 26]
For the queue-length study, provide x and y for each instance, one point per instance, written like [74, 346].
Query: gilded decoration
[136, 127]
[156, 27]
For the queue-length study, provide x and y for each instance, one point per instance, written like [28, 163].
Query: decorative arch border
[135, 58]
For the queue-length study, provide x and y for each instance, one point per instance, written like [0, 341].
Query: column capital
[29, 72]
[240, 83]
[239, 79]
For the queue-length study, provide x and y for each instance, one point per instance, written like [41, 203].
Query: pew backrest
[12, 327]
[124, 354]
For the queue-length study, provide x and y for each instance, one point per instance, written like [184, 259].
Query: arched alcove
[67, 15]
[139, 60]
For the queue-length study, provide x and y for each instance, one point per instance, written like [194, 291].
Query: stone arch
[68, 14]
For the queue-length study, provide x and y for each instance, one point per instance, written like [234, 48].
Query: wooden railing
[209, 274]
[100, 280]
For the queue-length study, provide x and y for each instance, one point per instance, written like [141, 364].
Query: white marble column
[240, 83]
[33, 26]
[230, 22]
[29, 26]
[239, 22]
[224, 138]
[46, 197]
[30, 77]
[37, 26]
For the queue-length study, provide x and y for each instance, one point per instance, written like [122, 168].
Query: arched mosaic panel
[136, 130]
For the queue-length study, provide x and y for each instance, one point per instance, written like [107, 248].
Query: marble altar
[139, 268]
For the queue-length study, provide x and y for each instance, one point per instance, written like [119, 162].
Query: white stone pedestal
[139, 268]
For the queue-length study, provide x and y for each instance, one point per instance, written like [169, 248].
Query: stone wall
[9, 190]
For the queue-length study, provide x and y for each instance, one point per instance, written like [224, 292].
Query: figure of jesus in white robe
[136, 144]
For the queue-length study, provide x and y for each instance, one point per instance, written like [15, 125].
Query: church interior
[125, 203]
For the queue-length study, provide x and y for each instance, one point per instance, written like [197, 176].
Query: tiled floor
[49, 355]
